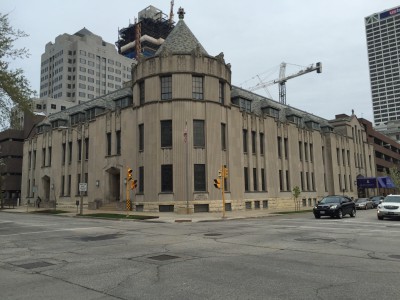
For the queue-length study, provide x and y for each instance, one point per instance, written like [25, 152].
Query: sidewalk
[163, 217]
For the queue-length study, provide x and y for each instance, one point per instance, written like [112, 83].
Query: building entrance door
[114, 184]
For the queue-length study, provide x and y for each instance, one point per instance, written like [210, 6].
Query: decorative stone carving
[164, 52]
[220, 57]
[152, 66]
[197, 52]
[181, 63]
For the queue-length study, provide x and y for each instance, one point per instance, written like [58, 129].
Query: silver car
[364, 203]
[389, 207]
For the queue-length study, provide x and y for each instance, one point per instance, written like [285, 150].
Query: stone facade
[176, 124]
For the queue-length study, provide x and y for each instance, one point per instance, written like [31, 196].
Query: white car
[389, 207]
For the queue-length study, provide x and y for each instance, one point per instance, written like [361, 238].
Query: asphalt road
[277, 257]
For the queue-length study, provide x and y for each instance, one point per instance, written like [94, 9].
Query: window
[198, 133]
[301, 151]
[62, 154]
[141, 137]
[118, 137]
[49, 156]
[86, 148]
[253, 142]
[343, 158]
[166, 134]
[197, 88]
[245, 140]
[199, 178]
[262, 143]
[69, 186]
[223, 136]
[305, 151]
[302, 181]
[79, 150]
[279, 147]
[166, 178]
[285, 144]
[311, 153]
[166, 87]
[280, 181]
[221, 92]
[287, 181]
[109, 143]
[29, 159]
[245, 105]
[43, 157]
[141, 179]
[141, 92]
[246, 180]
[69, 152]
[263, 183]
[255, 185]
[53, 106]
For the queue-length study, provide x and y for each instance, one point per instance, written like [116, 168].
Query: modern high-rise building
[81, 67]
[383, 41]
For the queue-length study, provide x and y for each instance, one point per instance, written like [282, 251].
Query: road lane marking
[49, 231]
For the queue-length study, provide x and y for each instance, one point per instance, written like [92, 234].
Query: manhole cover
[394, 256]
[100, 237]
[34, 265]
[212, 234]
[163, 257]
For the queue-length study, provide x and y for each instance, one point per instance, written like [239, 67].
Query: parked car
[376, 200]
[335, 206]
[364, 203]
[389, 207]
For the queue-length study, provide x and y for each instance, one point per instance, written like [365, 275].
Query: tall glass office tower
[383, 42]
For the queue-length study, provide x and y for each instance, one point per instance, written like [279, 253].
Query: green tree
[296, 193]
[394, 174]
[15, 89]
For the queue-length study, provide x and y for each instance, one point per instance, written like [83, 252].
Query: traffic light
[219, 173]
[129, 176]
[217, 183]
[133, 184]
[225, 172]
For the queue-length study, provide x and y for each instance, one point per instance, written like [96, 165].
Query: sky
[256, 36]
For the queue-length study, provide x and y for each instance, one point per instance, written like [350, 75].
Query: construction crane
[282, 79]
[171, 14]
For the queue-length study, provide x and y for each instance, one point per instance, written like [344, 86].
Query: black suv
[335, 206]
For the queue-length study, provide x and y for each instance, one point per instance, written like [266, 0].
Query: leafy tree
[296, 193]
[394, 174]
[14, 87]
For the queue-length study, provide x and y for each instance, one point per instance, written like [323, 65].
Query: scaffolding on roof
[155, 27]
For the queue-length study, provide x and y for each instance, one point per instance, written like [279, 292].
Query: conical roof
[181, 40]
[83, 32]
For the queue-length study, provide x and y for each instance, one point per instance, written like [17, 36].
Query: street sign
[82, 187]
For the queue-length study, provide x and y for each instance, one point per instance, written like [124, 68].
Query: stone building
[176, 124]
